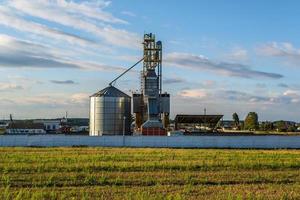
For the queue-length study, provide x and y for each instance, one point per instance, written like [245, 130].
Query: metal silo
[110, 112]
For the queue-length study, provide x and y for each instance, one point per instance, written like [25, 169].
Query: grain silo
[110, 112]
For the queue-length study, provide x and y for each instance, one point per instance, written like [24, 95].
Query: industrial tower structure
[110, 108]
[151, 106]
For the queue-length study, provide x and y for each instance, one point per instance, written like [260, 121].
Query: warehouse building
[22, 128]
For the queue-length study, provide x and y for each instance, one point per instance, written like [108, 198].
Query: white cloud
[218, 101]
[22, 53]
[52, 99]
[92, 9]
[65, 9]
[7, 18]
[293, 95]
[47, 105]
[81, 98]
[238, 97]
[85, 16]
[193, 93]
[238, 55]
[283, 50]
[173, 80]
[208, 83]
[199, 62]
[128, 13]
[10, 87]
[278, 49]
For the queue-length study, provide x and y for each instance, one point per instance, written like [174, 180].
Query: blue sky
[225, 56]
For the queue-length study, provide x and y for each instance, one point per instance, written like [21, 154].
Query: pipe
[110, 84]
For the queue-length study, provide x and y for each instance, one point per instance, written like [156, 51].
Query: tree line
[251, 123]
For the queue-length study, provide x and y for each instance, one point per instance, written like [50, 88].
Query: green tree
[266, 126]
[251, 121]
[236, 119]
[291, 129]
[281, 126]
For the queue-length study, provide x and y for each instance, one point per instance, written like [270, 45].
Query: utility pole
[66, 116]
[124, 120]
[205, 124]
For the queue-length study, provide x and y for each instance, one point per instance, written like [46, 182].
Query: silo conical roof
[110, 91]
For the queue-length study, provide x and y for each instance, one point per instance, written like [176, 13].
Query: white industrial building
[50, 125]
[20, 128]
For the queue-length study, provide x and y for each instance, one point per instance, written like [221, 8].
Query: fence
[263, 142]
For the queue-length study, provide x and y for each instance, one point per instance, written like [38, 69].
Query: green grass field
[121, 173]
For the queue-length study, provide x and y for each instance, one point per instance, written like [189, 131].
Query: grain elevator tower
[151, 106]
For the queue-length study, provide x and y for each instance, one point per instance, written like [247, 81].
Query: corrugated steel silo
[108, 108]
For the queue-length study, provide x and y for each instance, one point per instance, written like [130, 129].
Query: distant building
[227, 125]
[24, 128]
[79, 129]
[197, 123]
[3, 126]
[50, 125]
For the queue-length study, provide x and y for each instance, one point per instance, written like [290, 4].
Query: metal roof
[110, 91]
[198, 119]
[25, 125]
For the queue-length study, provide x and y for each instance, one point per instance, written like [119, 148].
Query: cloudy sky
[223, 55]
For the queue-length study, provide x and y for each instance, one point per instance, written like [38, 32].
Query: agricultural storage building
[110, 112]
